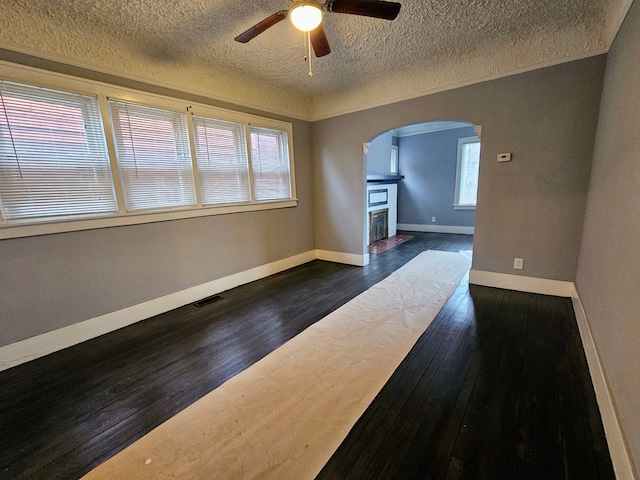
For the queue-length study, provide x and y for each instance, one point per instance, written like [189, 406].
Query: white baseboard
[347, 258]
[414, 227]
[40, 345]
[543, 286]
[615, 438]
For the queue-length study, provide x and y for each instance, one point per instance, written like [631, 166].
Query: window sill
[464, 207]
[62, 226]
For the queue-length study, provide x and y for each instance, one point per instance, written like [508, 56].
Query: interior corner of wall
[346, 258]
[618, 449]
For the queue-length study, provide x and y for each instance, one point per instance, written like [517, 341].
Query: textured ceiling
[431, 46]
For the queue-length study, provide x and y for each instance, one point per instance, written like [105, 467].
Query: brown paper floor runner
[284, 416]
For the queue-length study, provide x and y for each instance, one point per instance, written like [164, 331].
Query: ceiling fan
[307, 17]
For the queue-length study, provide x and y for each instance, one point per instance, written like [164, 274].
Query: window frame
[461, 142]
[179, 156]
[40, 78]
[282, 138]
[64, 142]
[394, 163]
[204, 175]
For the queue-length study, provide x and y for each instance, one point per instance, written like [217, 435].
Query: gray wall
[532, 207]
[428, 163]
[53, 281]
[379, 155]
[608, 278]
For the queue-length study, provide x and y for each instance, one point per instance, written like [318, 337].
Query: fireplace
[378, 225]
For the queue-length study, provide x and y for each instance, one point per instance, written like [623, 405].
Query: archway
[422, 178]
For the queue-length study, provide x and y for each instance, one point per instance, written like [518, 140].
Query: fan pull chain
[309, 56]
[304, 45]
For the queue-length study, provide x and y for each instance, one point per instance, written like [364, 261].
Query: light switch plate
[504, 157]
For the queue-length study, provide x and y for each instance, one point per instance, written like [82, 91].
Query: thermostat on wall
[504, 157]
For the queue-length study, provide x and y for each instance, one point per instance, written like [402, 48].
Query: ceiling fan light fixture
[306, 16]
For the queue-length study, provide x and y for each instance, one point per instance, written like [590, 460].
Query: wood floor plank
[443, 462]
[437, 411]
[478, 438]
[419, 401]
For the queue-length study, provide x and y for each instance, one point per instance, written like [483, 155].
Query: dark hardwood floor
[497, 387]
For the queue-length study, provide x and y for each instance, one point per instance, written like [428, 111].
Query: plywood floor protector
[285, 416]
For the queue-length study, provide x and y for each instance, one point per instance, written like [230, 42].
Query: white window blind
[154, 159]
[270, 164]
[53, 156]
[221, 155]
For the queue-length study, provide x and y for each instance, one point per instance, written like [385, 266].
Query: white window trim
[463, 207]
[456, 205]
[41, 78]
[394, 164]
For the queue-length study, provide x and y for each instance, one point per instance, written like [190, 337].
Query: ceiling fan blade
[319, 41]
[367, 8]
[260, 27]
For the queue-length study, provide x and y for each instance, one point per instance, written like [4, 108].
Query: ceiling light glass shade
[306, 17]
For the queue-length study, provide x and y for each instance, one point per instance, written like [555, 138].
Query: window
[393, 167]
[53, 157]
[107, 156]
[154, 158]
[223, 167]
[467, 173]
[270, 164]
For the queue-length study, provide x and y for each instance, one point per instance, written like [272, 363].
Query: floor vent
[206, 301]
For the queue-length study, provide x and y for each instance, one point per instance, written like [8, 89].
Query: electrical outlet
[433, 219]
[518, 263]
